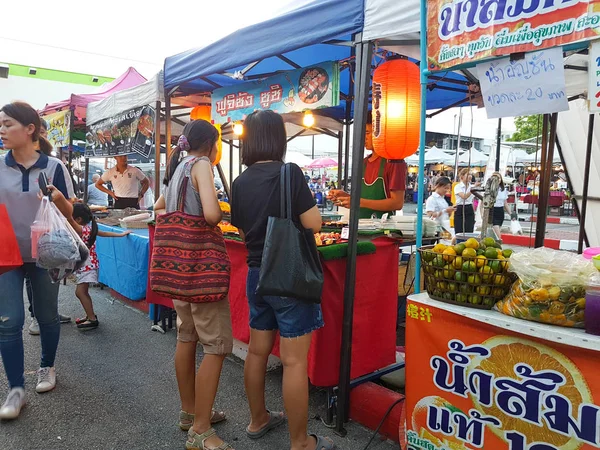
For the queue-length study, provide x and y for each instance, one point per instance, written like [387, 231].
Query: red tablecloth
[554, 200]
[375, 311]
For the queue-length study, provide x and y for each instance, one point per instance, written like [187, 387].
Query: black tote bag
[290, 264]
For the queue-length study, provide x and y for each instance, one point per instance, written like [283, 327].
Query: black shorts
[124, 202]
[498, 217]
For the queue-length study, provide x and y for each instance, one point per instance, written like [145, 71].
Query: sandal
[186, 420]
[323, 443]
[83, 319]
[275, 419]
[88, 325]
[196, 441]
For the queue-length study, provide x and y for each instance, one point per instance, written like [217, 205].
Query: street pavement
[116, 390]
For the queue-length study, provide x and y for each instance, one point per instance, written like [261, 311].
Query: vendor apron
[127, 202]
[374, 191]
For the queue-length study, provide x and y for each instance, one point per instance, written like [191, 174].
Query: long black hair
[200, 135]
[83, 212]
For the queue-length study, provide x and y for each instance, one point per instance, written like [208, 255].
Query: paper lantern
[219, 147]
[396, 109]
[201, 112]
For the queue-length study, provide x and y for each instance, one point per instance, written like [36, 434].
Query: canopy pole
[546, 172]
[421, 176]
[224, 181]
[348, 118]
[157, 152]
[340, 156]
[457, 141]
[499, 139]
[586, 183]
[167, 127]
[361, 95]
[86, 176]
[230, 142]
[539, 237]
[70, 158]
[240, 156]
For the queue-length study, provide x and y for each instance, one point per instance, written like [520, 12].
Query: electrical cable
[383, 420]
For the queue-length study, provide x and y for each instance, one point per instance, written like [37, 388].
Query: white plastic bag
[58, 248]
[515, 227]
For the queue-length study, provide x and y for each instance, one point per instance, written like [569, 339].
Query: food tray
[473, 287]
[140, 224]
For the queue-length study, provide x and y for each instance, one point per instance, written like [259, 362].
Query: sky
[106, 38]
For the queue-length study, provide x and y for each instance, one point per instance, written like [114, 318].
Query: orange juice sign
[474, 386]
[462, 31]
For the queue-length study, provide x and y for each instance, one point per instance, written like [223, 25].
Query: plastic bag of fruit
[551, 287]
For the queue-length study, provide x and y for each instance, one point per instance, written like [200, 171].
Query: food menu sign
[471, 385]
[463, 31]
[129, 132]
[291, 91]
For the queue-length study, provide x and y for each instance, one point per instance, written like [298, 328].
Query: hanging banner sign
[129, 132]
[59, 125]
[532, 85]
[473, 385]
[298, 90]
[463, 31]
[594, 77]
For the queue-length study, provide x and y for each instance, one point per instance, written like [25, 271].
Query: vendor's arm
[160, 206]
[100, 185]
[394, 203]
[144, 181]
[112, 234]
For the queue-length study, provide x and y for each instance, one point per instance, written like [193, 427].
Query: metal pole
[544, 189]
[230, 142]
[421, 176]
[224, 180]
[70, 158]
[457, 145]
[349, 100]
[240, 157]
[86, 175]
[167, 127]
[313, 146]
[586, 182]
[363, 75]
[340, 156]
[499, 139]
[157, 151]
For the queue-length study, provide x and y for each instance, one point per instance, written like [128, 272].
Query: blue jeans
[12, 318]
[292, 317]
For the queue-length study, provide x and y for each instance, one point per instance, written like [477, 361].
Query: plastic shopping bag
[10, 255]
[55, 244]
[515, 227]
[551, 287]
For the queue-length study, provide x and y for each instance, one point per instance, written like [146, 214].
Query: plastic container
[589, 253]
[37, 230]
[592, 307]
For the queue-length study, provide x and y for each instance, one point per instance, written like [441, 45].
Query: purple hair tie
[183, 143]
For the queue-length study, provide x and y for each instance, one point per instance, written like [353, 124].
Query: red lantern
[201, 112]
[396, 109]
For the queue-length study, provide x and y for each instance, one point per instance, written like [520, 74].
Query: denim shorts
[292, 317]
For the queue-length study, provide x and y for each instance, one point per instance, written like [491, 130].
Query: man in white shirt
[129, 184]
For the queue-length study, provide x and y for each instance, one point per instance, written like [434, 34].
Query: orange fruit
[458, 262]
[449, 254]
[472, 243]
[469, 253]
[506, 353]
[419, 423]
[439, 248]
[480, 261]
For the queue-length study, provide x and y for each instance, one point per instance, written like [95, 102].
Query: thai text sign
[59, 128]
[129, 132]
[532, 85]
[472, 385]
[462, 31]
[594, 77]
[293, 91]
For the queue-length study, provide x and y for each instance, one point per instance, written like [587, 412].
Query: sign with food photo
[298, 90]
[129, 132]
[59, 125]
[472, 385]
[463, 31]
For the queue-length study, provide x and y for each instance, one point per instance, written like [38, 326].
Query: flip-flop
[186, 420]
[323, 443]
[275, 419]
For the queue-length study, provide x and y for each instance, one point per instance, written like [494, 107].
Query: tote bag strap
[184, 184]
[285, 192]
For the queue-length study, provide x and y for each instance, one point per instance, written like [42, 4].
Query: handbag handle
[285, 209]
[184, 184]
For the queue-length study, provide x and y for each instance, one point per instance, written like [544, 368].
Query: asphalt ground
[116, 389]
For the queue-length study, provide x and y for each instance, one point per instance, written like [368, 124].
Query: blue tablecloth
[124, 262]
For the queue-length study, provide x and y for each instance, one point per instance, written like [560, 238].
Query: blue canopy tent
[352, 32]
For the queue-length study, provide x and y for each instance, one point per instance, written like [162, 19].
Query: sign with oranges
[463, 31]
[472, 385]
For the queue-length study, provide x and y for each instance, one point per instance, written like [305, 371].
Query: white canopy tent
[432, 156]
[473, 157]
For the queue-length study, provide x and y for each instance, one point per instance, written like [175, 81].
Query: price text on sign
[594, 77]
[532, 85]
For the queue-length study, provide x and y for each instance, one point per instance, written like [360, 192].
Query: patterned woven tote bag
[189, 258]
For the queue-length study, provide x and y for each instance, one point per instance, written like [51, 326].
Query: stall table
[374, 336]
[473, 375]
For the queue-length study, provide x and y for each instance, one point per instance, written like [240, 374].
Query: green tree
[527, 127]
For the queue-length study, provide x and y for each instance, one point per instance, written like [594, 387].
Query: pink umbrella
[322, 163]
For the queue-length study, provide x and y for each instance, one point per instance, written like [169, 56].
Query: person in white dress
[437, 207]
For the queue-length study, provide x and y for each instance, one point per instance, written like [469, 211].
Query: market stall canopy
[517, 156]
[316, 31]
[79, 102]
[297, 158]
[322, 163]
[474, 157]
[432, 156]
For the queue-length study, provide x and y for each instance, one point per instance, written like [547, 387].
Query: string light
[238, 129]
[308, 120]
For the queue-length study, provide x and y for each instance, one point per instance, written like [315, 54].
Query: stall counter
[375, 311]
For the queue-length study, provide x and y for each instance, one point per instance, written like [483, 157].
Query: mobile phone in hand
[43, 182]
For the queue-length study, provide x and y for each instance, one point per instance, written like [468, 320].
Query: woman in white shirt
[437, 207]
[464, 218]
[500, 206]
